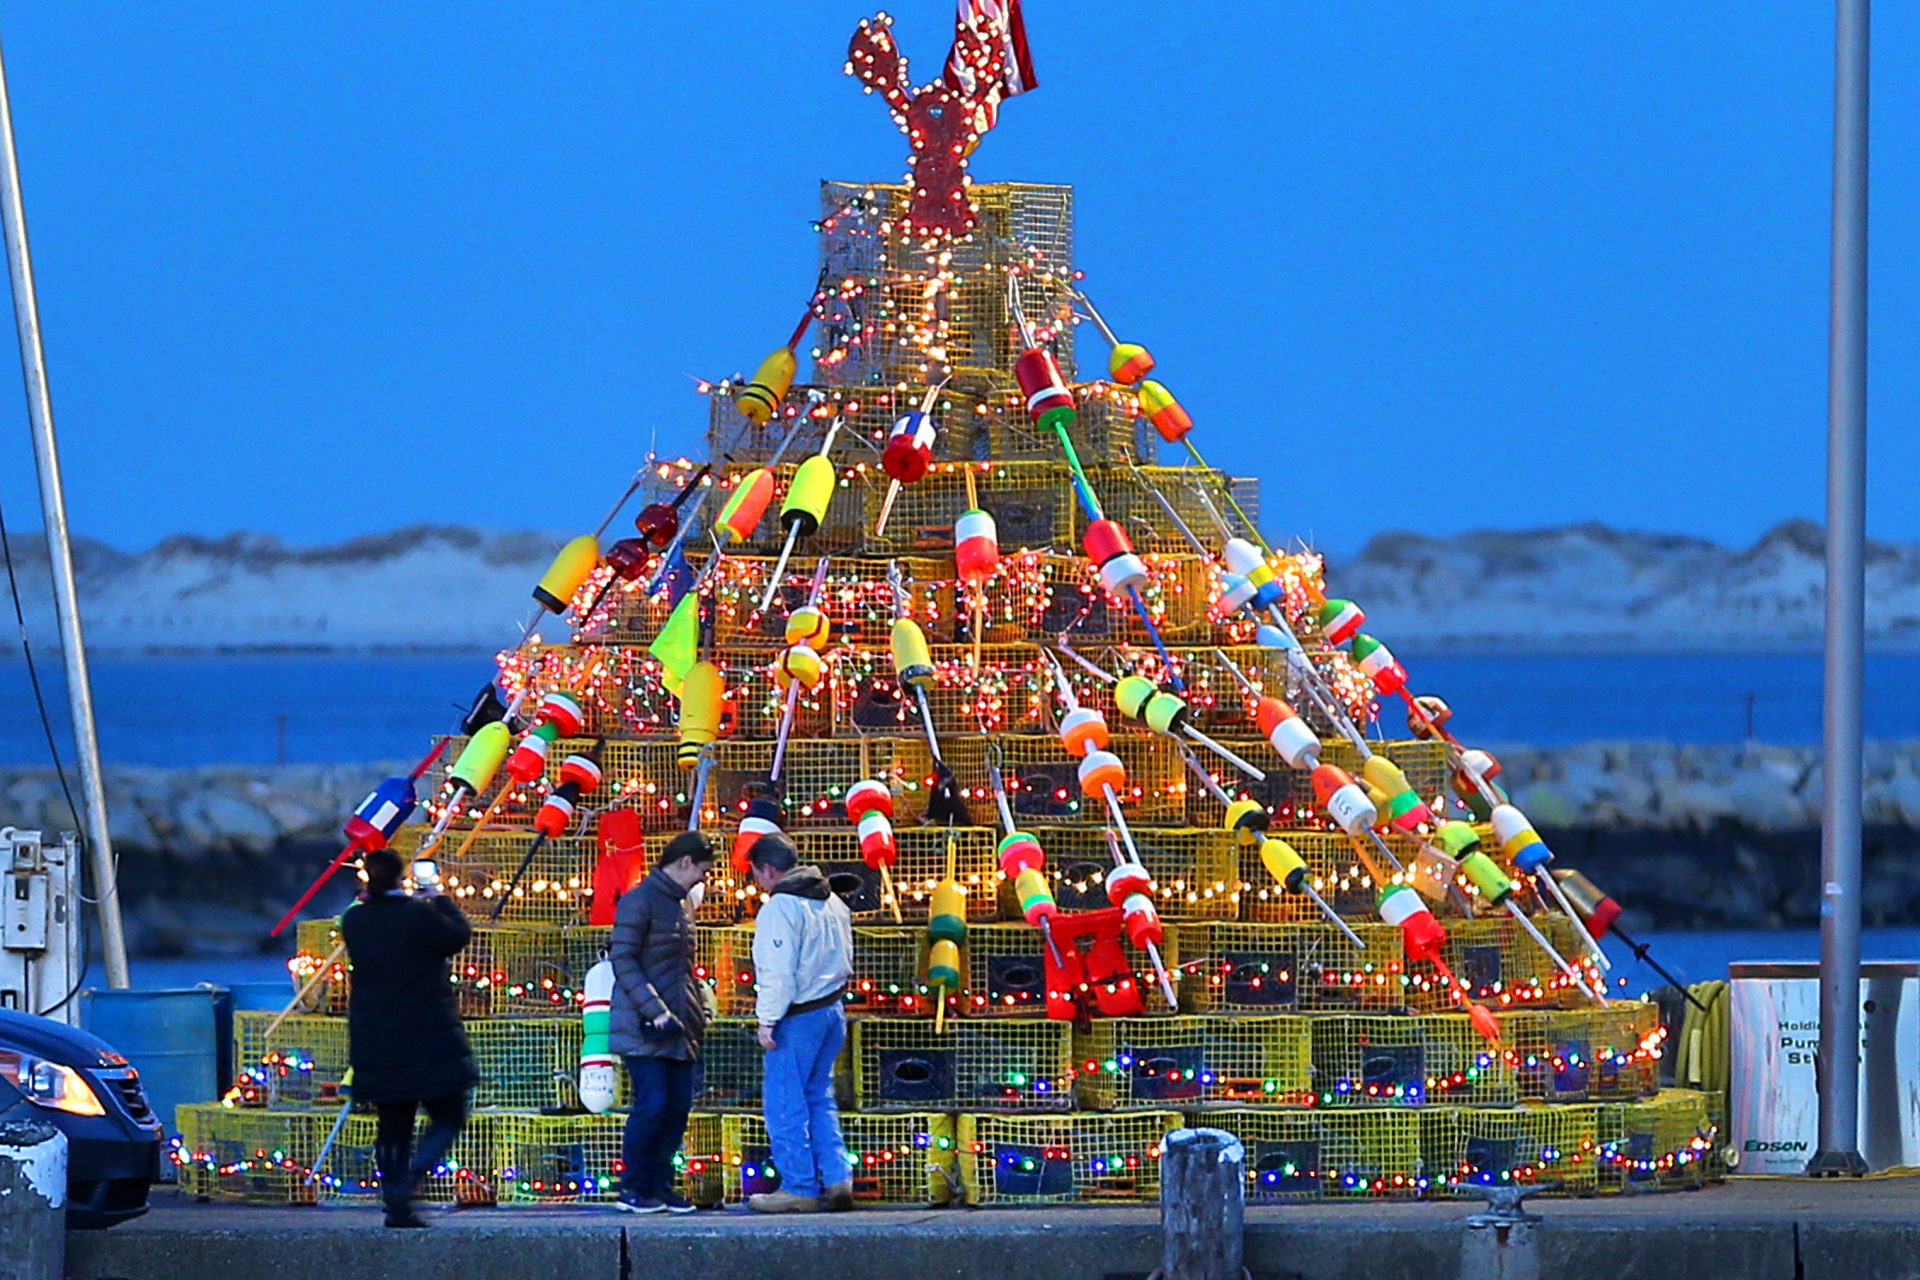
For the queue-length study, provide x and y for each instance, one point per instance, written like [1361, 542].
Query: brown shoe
[837, 1198]
[782, 1202]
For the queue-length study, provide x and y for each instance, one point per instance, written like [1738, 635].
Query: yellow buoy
[570, 568]
[805, 505]
[912, 659]
[771, 382]
[481, 758]
[700, 702]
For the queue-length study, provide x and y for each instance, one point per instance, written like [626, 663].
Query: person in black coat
[658, 1017]
[405, 1041]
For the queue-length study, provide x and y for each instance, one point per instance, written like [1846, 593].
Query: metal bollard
[1203, 1204]
[33, 1201]
[1499, 1243]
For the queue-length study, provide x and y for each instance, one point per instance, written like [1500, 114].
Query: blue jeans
[803, 1125]
[661, 1096]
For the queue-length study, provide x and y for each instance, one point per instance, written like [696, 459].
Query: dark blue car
[77, 1082]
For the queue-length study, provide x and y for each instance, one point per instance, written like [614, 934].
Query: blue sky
[320, 270]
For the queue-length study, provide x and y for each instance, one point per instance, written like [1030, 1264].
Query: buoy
[1138, 698]
[1341, 620]
[1597, 909]
[382, 812]
[582, 771]
[798, 662]
[562, 711]
[1084, 730]
[770, 384]
[1165, 412]
[1099, 771]
[1287, 733]
[1284, 863]
[869, 797]
[943, 966]
[529, 759]
[474, 768]
[1236, 593]
[909, 449]
[628, 558]
[1142, 922]
[1020, 851]
[762, 819]
[1129, 362]
[878, 848]
[1420, 933]
[1378, 664]
[1344, 800]
[947, 912]
[1037, 903]
[1127, 880]
[747, 503]
[805, 505]
[1108, 547]
[976, 549]
[572, 565]
[809, 626]
[1404, 808]
[599, 1069]
[700, 704]
[1049, 402]
[1520, 844]
[1248, 820]
[912, 659]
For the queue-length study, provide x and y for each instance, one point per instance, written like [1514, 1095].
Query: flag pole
[53, 507]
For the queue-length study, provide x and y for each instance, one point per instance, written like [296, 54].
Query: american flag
[990, 44]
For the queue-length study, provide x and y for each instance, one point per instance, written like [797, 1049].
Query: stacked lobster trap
[1116, 892]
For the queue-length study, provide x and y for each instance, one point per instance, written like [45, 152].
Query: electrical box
[40, 961]
[1776, 1034]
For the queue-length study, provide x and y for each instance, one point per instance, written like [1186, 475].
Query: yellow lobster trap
[891, 1159]
[1078, 1158]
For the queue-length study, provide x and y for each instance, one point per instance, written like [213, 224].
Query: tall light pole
[53, 508]
[1839, 1150]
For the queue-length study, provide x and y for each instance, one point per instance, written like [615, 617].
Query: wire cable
[53, 750]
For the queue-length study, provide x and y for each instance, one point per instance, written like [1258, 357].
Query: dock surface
[1771, 1229]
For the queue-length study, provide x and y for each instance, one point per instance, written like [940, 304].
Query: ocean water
[258, 709]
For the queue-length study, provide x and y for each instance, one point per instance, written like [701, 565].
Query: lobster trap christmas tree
[1136, 819]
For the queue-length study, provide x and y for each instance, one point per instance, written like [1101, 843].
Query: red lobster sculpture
[944, 120]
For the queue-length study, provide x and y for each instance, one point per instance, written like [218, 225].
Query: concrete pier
[1754, 1230]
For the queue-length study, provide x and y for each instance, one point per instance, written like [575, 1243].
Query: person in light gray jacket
[802, 959]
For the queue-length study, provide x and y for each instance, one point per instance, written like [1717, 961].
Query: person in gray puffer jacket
[659, 1014]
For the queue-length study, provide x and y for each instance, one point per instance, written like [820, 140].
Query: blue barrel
[180, 1040]
[261, 995]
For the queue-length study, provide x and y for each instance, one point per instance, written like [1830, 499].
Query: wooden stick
[314, 979]
[506, 789]
[889, 895]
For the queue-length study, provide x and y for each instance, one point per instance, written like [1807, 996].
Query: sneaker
[677, 1204]
[640, 1204]
[405, 1219]
[783, 1202]
[837, 1198]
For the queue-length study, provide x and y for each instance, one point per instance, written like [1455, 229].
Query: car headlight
[51, 1084]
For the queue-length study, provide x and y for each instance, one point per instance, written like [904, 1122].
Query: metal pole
[53, 507]
[1839, 1061]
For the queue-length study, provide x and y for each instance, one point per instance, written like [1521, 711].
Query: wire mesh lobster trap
[1128, 1064]
[1079, 1158]
[891, 1159]
[1000, 1065]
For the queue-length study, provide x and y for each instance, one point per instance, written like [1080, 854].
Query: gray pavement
[1749, 1230]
